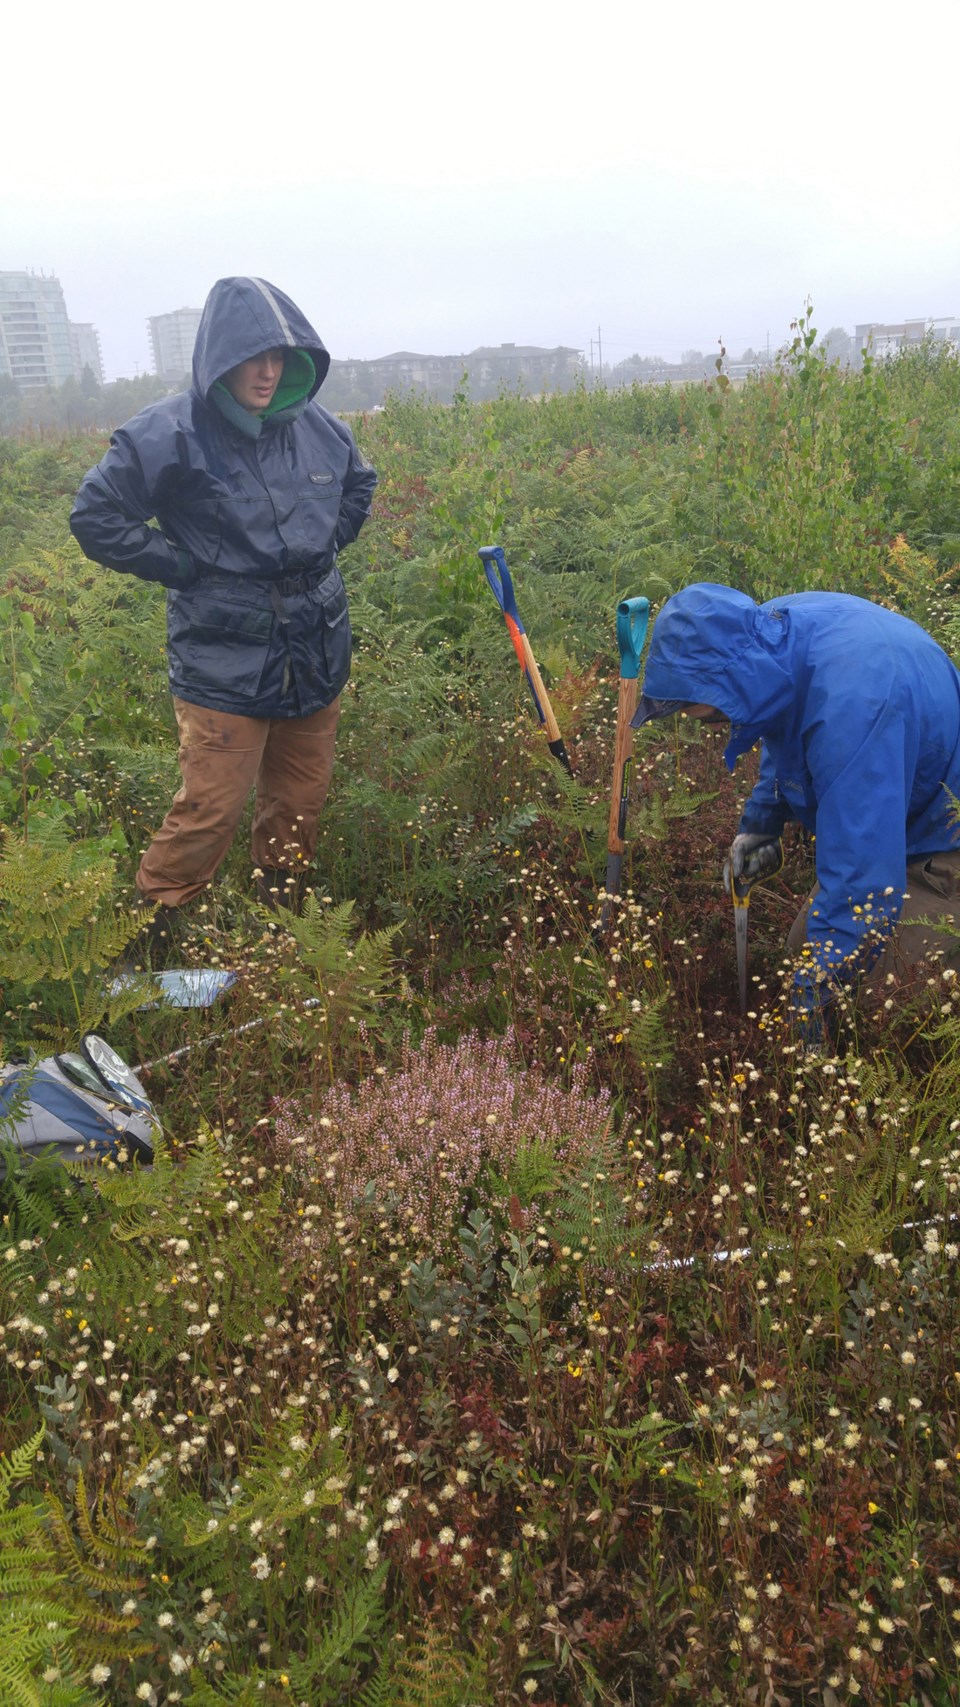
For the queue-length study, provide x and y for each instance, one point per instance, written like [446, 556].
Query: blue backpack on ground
[88, 1107]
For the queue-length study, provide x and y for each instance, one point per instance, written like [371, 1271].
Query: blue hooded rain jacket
[251, 512]
[858, 712]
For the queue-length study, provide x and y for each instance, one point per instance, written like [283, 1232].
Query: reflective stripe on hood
[242, 318]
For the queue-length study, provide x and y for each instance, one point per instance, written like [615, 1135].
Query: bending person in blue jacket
[255, 490]
[858, 713]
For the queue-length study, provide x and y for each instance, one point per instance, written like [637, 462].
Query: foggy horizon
[447, 182]
[596, 343]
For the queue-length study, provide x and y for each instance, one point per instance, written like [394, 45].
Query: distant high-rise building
[85, 344]
[35, 344]
[172, 337]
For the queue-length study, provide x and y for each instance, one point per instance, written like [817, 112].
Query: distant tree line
[84, 404]
[837, 345]
[77, 404]
[350, 386]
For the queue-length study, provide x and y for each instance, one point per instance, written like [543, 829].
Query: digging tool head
[633, 620]
[501, 582]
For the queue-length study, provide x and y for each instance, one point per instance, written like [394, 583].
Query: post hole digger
[501, 585]
[633, 618]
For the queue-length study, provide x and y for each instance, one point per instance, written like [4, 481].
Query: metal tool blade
[741, 914]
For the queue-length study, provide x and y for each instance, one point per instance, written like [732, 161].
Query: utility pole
[591, 359]
[600, 358]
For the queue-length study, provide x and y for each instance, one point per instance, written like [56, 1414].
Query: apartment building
[35, 344]
[172, 337]
[85, 345]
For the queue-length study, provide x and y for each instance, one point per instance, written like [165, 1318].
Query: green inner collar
[296, 381]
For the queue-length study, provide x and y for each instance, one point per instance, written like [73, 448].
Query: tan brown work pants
[933, 892]
[288, 760]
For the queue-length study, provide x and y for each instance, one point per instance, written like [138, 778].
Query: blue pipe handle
[633, 620]
[495, 568]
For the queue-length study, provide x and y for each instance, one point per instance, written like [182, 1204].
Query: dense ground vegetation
[505, 1318]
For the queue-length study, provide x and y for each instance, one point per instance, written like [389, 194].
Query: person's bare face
[254, 382]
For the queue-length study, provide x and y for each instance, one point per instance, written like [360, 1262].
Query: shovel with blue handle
[633, 617]
[501, 585]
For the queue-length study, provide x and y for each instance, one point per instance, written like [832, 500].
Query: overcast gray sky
[433, 177]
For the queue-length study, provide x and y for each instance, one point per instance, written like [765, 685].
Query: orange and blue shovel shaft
[501, 584]
[633, 616]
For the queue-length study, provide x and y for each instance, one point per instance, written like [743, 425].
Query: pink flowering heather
[423, 1135]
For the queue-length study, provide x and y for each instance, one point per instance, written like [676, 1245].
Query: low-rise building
[885, 339]
[483, 372]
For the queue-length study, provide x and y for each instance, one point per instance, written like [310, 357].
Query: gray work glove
[750, 857]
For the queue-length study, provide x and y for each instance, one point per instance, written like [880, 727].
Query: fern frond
[347, 1641]
[80, 1569]
[58, 920]
[36, 1616]
[655, 815]
[580, 809]
[272, 1486]
[19, 1464]
[587, 1211]
[378, 1690]
[347, 983]
[649, 1038]
[229, 1691]
[432, 1673]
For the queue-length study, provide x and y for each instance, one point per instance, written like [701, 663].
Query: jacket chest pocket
[312, 524]
[318, 489]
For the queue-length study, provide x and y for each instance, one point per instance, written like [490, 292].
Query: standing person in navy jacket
[255, 489]
[857, 711]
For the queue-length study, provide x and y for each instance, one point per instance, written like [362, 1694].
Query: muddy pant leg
[292, 785]
[219, 758]
[933, 893]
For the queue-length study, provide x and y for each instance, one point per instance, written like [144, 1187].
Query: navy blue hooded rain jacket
[858, 711]
[251, 512]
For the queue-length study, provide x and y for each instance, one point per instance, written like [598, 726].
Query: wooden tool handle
[626, 706]
[550, 723]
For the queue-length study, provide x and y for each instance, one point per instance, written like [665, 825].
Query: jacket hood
[713, 645]
[242, 318]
